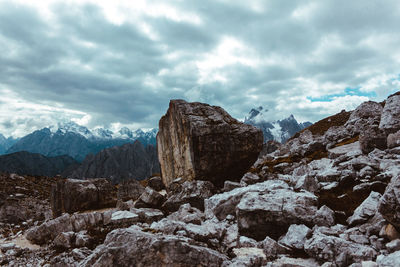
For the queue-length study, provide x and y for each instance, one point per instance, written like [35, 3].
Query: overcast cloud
[119, 63]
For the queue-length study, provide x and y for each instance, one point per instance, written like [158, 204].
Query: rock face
[366, 114]
[270, 214]
[390, 120]
[389, 205]
[372, 138]
[197, 141]
[72, 195]
[132, 247]
[130, 161]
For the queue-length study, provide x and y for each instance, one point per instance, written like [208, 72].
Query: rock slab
[197, 141]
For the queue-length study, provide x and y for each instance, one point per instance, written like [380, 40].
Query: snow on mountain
[103, 134]
[280, 130]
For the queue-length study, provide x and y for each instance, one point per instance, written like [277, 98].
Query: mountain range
[77, 141]
[129, 161]
[280, 130]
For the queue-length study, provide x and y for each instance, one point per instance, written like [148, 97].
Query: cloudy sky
[114, 63]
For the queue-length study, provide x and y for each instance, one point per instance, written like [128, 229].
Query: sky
[118, 63]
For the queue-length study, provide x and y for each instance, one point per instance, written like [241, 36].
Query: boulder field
[330, 196]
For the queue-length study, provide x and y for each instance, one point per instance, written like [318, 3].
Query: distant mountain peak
[280, 130]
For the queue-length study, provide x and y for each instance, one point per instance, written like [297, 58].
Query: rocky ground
[330, 196]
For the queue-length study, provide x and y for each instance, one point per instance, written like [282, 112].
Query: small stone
[229, 186]
[393, 245]
[324, 217]
[246, 242]
[156, 183]
[296, 236]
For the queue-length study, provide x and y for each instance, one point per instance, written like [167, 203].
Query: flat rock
[197, 141]
[391, 260]
[133, 247]
[262, 214]
[222, 205]
[296, 236]
[366, 210]
[331, 248]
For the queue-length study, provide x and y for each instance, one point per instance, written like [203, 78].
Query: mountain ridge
[280, 130]
[77, 141]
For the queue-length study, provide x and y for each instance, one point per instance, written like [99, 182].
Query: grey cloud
[129, 77]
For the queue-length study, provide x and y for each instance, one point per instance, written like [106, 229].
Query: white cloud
[120, 62]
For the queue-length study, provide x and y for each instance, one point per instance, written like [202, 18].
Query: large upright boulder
[390, 119]
[71, 195]
[197, 141]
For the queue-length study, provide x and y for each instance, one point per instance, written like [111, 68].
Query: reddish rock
[197, 141]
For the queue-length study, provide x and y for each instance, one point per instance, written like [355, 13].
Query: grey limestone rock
[296, 236]
[197, 141]
[133, 247]
[366, 210]
[129, 190]
[390, 119]
[262, 214]
[192, 192]
[389, 204]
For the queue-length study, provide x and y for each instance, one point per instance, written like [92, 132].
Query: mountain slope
[77, 141]
[6, 143]
[129, 161]
[280, 130]
[25, 163]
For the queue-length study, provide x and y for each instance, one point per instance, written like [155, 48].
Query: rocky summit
[197, 141]
[329, 196]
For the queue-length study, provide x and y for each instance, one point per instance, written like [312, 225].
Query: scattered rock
[390, 202]
[202, 142]
[229, 186]
[262, 214]
[221, 205]
[272, 248]
[371, 138]
[156, 183]
[130, 190]
[390, 119]
[393, 246]
[150, 199]
[64, 240]
[133, 247]
[325, 217]
[366, 210]
[393, 140]
[187, 214]
[296, 236]
[391, 260]
[365, 115]
[192, 192]
[250, 178]
[331, 248]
